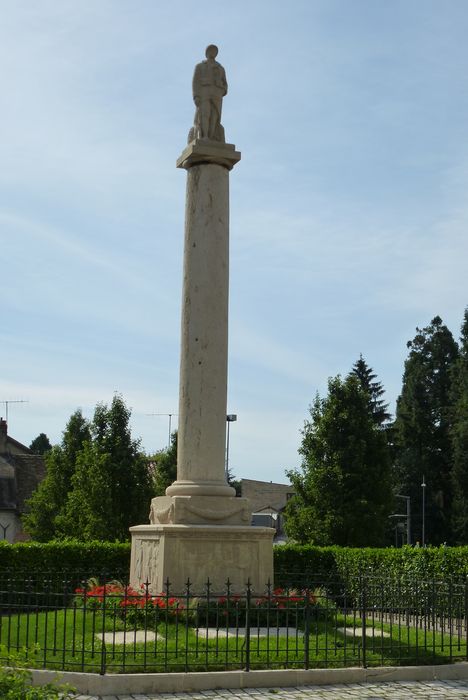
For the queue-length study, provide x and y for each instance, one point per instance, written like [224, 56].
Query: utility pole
[169, 415]
[7, 402]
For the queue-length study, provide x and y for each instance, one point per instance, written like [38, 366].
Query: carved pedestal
[198, 552]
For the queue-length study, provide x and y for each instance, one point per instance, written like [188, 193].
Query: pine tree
[374, 389]
[342, 490]
[47, 504]
[40, 445]
[422, 430]
[459, 436]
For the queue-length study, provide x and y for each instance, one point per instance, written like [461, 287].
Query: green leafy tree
[47, 504]
[111, 486]
[40, 445]
[342, 489]
[422, 429]
[164, 467]
[374, 390]
[459, 436]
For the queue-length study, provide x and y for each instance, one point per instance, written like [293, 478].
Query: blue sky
[348, 210]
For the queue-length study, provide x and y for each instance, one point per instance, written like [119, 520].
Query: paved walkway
[403, 690]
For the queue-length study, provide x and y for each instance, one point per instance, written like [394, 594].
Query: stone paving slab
[128, 638]
[400, 690]
[222, 632]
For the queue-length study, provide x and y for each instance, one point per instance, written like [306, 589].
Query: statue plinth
[202, 151]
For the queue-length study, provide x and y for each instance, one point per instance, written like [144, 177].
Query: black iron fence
[71, 622]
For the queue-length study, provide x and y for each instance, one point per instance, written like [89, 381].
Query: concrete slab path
[400, 690]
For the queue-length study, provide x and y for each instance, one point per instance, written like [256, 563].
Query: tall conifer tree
[460, 440]
[342, 490]
[422, 430]
[374, 389]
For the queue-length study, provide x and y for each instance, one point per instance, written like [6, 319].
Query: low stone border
[135, 683]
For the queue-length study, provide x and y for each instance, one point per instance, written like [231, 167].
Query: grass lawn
[66, 639]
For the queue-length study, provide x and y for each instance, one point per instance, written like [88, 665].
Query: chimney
[3, 435]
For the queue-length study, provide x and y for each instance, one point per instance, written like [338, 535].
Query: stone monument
[200, 529]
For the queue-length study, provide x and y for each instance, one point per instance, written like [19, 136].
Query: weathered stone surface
[198, 552]
[199, 530]
[203, 151]
[185, 510]
[204, 331]
[209, 86]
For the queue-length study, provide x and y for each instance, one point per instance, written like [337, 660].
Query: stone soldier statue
[209, 87]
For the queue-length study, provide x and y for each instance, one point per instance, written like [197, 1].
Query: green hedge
[294, 564]
[343, 564]
[66, 555]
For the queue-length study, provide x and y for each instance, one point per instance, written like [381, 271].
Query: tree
[235, 483]
[111, 487]
[164, 467]
[374, 389]
[40, 445]
[459, 440]
[422, 429]
[342, 490]
[46, 506]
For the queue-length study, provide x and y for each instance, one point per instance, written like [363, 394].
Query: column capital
[206, 151]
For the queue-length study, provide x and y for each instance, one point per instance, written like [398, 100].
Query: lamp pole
[230, 418]
[423, 486]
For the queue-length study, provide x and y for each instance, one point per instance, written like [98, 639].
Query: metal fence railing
[71, 622]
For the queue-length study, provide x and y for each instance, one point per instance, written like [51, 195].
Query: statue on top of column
[209, 87]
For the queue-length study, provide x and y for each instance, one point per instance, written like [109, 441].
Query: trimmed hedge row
[293, 563]
[67, 555]
[343, 564]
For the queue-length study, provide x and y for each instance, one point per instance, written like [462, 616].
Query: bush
[302, 563]
[134, 607]
[15, 684]
[295, 565]
[66, 555]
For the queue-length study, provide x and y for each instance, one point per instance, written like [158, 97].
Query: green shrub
[302, 563]
[134, 607]
[16, 683]
[66, 555]
[295, 565]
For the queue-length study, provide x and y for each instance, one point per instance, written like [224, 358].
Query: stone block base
[201, 552]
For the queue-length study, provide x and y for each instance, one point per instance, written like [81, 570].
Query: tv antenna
[7, 402]
[169, 415]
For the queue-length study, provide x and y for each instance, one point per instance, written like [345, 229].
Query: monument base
[179, 553]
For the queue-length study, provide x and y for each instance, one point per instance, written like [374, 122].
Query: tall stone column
[204, 343]
[200, 529]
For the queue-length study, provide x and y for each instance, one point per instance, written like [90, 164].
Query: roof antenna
[7, 402]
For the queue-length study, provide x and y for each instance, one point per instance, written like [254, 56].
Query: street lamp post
[230, 418]
[423, 486]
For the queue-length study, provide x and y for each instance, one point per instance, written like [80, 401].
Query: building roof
[20, 472]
